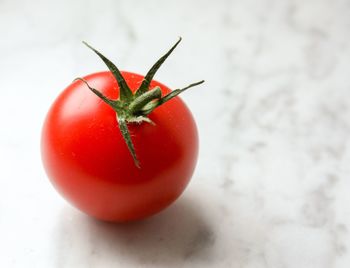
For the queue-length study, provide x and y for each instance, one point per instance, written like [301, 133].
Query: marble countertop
[272, 185]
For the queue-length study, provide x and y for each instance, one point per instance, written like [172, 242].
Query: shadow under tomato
[175, 236]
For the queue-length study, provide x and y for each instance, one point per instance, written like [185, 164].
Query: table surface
[271, 188]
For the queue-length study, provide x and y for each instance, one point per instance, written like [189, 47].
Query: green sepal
[176, 92]
[115, 104]
[126, 135]
[149, 76]
[147, 109]
[125, 92]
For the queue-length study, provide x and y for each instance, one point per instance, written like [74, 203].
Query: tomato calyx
[135, 107]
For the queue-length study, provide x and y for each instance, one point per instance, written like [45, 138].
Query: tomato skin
[88, 162]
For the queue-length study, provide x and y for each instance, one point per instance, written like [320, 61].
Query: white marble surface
[272, 186]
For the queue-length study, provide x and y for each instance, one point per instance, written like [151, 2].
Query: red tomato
[88, 161]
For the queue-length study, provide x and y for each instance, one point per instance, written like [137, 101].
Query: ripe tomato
[88, 161]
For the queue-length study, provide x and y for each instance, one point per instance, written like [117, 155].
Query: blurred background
[271, 188]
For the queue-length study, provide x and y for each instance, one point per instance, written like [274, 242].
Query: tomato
[88, 160]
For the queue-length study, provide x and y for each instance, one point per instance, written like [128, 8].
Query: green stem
[137, 104]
